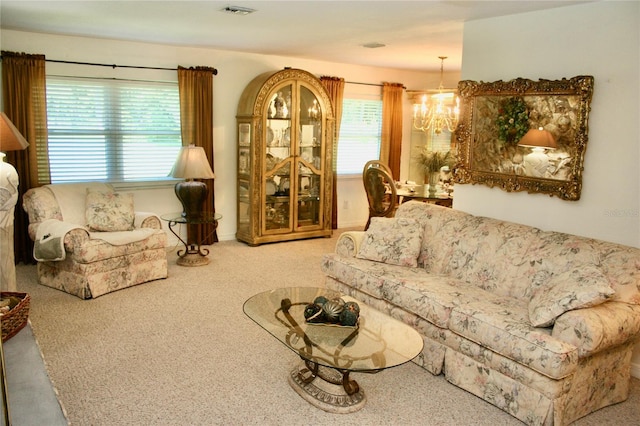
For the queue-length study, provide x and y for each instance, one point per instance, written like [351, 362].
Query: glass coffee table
[330, 352]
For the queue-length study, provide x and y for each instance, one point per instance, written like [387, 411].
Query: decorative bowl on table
[334, 312]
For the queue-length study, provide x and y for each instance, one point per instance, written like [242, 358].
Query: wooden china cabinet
[285, 154]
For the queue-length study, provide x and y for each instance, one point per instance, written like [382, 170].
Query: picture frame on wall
[524, 135]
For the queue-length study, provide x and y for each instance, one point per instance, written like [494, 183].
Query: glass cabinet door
[244, 176]
[278, 162]
[310, 161]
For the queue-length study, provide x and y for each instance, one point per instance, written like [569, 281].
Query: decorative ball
[320, 300]
[332, 309]
[348, 318]
[352, 306]
[313, 313]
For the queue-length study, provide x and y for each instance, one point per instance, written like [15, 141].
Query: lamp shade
[192, 163]
[10, 138]
[538, 138]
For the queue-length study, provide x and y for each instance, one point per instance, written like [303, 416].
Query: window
[360, 134]
[112, 130]
[442, 141]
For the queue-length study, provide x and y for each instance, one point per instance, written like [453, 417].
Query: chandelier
[433, 113]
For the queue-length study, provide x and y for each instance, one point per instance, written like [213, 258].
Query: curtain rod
[214, 71]
[368, 84]
[110, 78]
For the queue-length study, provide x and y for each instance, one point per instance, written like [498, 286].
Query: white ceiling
[415, 32]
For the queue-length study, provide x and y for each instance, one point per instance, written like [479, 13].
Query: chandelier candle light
[192, 164]
[433, 114]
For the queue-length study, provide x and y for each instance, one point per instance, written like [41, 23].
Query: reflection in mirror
[495, 146]
[428, 139]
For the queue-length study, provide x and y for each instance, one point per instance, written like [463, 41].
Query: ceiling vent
[237, 10]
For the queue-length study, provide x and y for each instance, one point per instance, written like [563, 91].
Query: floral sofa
[89, 240]
[540, 324]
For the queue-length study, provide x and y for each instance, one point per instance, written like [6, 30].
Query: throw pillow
[576, 288]
[109, 211]
[395, 241]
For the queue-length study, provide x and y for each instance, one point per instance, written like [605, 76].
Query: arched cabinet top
[258, 92]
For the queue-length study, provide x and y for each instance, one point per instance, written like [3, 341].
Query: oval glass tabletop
[377, 343]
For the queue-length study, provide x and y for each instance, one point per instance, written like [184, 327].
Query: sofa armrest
[40, 204]
[147, 220]
[75, 238]
[349, 243]
[599, 327]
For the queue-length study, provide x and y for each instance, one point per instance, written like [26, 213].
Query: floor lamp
[10, 140]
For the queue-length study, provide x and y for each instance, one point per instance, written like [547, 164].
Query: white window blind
[440, 142]
[112, 130]
[360, 134]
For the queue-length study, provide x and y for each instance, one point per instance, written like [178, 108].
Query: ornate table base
[327, 388]
[193, 255]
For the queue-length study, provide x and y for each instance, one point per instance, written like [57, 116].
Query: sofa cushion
[395, 241]
[428, 296]
[488, 253]
[96, 250]
[503, 326]
[577, 288]
[434, 252]
[109, 211]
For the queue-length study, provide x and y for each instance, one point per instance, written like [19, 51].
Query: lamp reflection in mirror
[537, 163]
[192, 164]
[10, 140]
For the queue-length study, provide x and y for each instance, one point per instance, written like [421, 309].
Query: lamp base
[9, 198]
[536, 163]
[192, 195]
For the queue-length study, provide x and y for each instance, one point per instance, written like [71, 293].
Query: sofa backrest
[63, 201]
[507, 258]
[71, 198]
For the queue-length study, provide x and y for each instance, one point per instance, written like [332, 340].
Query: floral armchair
[89, 241]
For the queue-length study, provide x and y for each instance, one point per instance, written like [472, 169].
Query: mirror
[429, 140]
[495, 117]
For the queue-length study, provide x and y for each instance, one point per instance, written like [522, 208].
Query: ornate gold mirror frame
[495, 118]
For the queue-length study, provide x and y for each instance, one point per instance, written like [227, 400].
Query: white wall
[235, 71]
[599, 39]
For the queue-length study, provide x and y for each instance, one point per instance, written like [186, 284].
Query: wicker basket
[15, 320]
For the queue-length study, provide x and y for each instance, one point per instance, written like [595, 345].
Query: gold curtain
[391, 144]
[335, 88]
[196, 122]
[25, 103]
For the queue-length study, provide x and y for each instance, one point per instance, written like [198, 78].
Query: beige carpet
[181, 351]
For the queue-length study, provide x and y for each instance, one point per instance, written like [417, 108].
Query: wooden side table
[193, 254]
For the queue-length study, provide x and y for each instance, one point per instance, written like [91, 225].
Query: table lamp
[10, 140]
[192, 164]
[539, 140]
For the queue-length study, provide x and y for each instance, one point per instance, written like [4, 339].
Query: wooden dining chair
[380, 189]
[377, 163]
